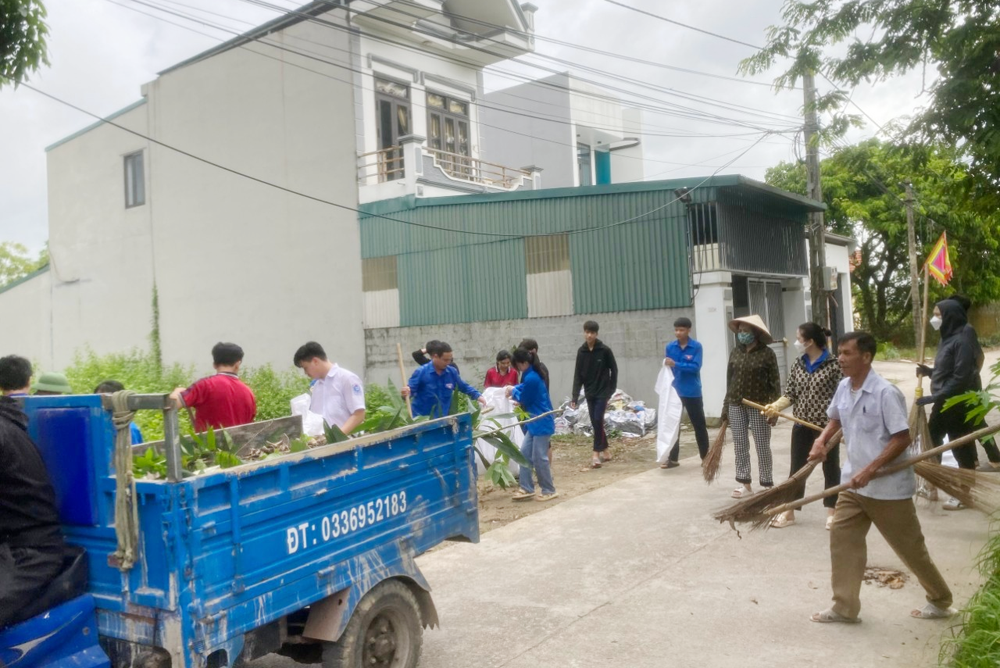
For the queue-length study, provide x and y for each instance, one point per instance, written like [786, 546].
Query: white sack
[668, 414]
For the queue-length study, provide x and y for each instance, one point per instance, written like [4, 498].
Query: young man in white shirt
[872, 413]
[337, 394]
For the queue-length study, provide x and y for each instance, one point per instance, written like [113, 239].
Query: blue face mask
[746, 338]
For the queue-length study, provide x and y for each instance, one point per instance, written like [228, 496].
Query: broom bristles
[713, 459]
[974, 490]
[753, 510]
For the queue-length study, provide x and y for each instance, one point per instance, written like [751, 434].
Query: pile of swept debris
[630, 418]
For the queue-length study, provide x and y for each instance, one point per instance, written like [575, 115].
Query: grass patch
[887, 352]
[976, 642]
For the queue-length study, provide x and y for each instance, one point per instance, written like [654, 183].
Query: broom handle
[923, 335]
[537, 417]
[896, 468]
[791, 418]
[402, 376]
[830, 445]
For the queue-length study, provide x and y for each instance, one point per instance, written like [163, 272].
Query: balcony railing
[479, 172]
[437, 166]
[381, 166]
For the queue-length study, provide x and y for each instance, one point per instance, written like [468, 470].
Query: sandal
[742, 492]
[522, 495]
[595, 463]
[782, 521]
[929, 494]
[931, 611]
[670, 464]
[830, 617]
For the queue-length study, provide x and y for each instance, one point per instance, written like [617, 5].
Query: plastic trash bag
[312, 423]
[669, 413]
[497, 398]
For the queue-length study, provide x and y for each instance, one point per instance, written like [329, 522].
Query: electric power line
[345, 207]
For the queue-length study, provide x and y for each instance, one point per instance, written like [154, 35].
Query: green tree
[960, 39]
[15, 262]
[861, 188]
[22, 39]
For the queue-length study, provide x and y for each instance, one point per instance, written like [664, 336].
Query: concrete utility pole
[817, 228]
[911, 241]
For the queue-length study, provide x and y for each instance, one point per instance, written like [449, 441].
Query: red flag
[938, 263]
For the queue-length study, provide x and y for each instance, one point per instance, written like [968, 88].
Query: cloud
[102, 53]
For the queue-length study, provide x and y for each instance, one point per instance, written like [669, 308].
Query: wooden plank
[247, 436]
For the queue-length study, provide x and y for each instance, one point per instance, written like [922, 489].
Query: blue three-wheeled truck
[309, 555]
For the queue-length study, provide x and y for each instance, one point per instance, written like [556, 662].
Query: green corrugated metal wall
[468, 284]
[451, 276]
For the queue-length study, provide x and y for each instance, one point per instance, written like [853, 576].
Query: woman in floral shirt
[811, 385]
[753, 374]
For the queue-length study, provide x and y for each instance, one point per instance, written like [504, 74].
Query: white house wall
[102, 255]
[233, 259]
[239, 260]
[27, 329]
[530, 124]
[627, 163]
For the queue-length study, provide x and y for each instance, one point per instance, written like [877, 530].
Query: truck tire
[385, 631]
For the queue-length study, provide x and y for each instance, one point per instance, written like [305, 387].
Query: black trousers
[951, 423]
[802, 442]
[596, 407]
[695, 408]
[25, 574]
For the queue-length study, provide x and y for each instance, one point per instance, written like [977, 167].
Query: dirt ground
[573, 476]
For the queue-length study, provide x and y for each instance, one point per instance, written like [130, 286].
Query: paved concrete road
[637, 574]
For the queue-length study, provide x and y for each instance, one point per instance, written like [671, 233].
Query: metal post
[911, 240]
[172, 442]
[817, 227]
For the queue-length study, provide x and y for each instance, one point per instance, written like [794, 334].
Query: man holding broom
[872, 414]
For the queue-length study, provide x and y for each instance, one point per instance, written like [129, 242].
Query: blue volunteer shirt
[534, 398]
[812, 366]
[687, 367]
[431, 391]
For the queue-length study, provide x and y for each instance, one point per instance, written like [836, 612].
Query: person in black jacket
[954, 373]
[597, 373]
[972, 338]
[421, 357]
[31, 544]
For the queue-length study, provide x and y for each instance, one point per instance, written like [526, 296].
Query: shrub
[138, 370]
[274, 390]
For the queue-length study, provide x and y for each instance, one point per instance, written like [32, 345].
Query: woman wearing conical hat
[752, 374]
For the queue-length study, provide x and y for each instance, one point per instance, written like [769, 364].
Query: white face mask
[800, 347]
[936, 322]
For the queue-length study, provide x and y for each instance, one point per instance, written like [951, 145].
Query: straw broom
[765, 518]
[751, 508]
[713, 458]
[974, 490]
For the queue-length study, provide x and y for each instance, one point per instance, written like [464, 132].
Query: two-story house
[241, 209]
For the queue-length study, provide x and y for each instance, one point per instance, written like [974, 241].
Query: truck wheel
[385, 631]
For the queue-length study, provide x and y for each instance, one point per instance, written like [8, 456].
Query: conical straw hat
[755, 322]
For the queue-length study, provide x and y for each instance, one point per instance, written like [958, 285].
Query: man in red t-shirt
[221, 400]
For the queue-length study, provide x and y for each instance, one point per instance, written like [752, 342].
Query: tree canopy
[22, 39]
[862, 186]
[955, 43]
[15, 262]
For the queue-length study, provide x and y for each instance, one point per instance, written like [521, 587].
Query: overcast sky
[101, 53]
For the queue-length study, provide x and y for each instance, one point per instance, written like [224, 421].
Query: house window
[550, 281]
[448, 131]
[392, 101]
[583, 160]
[135, 180]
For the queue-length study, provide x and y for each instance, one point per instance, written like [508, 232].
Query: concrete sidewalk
[638, 574]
